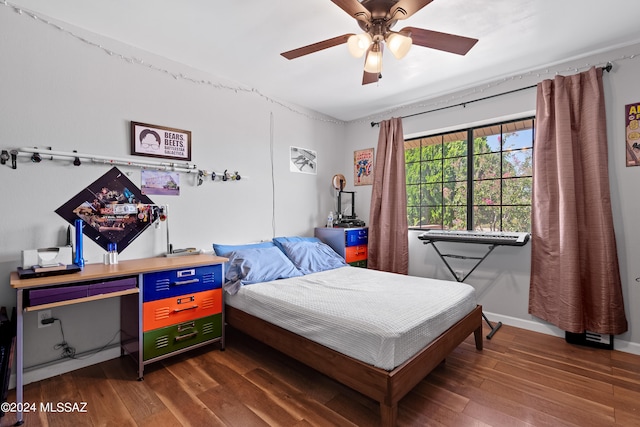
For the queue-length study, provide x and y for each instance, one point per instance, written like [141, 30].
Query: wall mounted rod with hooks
[45, 153]
[38, 154]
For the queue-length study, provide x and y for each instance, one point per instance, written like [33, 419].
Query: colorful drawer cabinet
[350, 243]
[181, 309]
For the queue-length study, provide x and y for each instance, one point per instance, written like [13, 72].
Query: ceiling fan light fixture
[358, 44]
[399, 44]
[373, 62]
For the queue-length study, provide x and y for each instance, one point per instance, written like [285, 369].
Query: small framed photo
[160, 141]
[303, 160]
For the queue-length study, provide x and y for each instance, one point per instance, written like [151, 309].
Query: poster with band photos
[113, 209]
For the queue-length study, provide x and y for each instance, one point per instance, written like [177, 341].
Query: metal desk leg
[19, 357]
[140, 324]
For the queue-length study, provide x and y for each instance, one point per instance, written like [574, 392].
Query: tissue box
[46, 257]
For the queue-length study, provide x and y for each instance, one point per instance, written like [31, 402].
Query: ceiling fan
[376, 18]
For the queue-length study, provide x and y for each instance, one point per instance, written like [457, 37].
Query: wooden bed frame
[385, 387]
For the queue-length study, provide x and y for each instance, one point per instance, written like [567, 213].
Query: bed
[376, 332]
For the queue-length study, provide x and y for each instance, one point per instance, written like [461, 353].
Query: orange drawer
[169, 311]
[355, 253]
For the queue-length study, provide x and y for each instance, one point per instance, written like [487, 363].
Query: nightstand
[350, 243]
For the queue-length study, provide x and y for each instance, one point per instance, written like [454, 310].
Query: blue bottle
[79, 258]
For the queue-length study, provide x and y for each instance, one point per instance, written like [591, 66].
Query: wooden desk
[133, 299]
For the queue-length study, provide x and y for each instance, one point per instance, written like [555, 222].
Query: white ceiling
[241, 41]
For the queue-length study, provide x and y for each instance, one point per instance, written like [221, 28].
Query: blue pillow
[312, 257]
[224, 250]
[279, 240]
[248, 266]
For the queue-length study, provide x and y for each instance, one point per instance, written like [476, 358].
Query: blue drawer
[357, 236]
[172, 283]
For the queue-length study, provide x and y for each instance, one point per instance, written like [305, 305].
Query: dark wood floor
[521, 378]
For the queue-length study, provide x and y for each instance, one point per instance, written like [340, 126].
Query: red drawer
[169, 311]
[355, 253]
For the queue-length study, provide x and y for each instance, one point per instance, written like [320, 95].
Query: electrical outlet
[42, 315]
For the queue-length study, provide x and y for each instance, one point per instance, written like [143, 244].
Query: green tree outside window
[443, 192]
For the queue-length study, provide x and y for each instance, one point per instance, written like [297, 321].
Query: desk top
[123, 268]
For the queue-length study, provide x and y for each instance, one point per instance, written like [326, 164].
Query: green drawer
[176, 337]
[361, 264]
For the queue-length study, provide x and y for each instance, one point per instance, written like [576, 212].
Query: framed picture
[159, 141]
[363, 167]
[303, 160]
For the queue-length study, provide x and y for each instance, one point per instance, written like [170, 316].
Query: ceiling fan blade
[405, 8]
[441, 41]
[369, 78]
[354, 9]
[315, 47]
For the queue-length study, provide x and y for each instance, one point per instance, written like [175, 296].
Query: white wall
[502, 281]
[57, 90]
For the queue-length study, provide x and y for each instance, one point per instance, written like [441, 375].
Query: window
[472, 179]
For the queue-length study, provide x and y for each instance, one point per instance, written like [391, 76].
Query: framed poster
[113, 209]
[159, 141]
[363, 167]
[632, 131]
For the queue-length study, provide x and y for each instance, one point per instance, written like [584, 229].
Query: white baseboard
[63, 366]
[532, 325]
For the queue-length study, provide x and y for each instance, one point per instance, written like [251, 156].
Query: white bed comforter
[379, 318]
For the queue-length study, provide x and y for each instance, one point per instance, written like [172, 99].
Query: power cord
[67, 350]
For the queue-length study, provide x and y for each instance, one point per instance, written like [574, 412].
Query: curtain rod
[606, 68]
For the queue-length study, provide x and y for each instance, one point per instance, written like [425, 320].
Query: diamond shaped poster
[113, 209]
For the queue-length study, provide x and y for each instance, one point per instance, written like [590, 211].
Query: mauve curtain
[575, 279]
[388, 228]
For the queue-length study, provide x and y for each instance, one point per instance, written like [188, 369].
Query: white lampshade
[373, 62]
[399, 44]
[358, 44]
